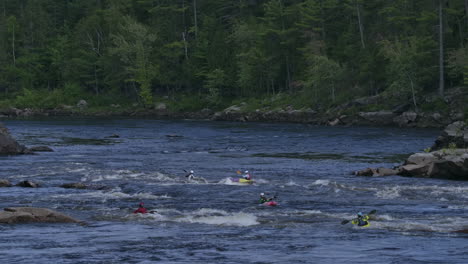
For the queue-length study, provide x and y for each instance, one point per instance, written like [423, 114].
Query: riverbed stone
[5, 183]
[27, 184]
[17, 215]
[41, 149]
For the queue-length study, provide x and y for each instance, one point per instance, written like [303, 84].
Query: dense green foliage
[210, 53]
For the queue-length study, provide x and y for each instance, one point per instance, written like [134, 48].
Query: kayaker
[247, 175]
[264, 199]
[190, 176]
[361, 220]
[141, 209]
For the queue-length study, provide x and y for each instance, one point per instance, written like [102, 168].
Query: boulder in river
[41, 149]
[16, 215]
[5, 183]
[447, 163]
[8, 145]
[75, 185]
[27, 184]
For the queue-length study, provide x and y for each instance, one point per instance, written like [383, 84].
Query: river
[308, 168]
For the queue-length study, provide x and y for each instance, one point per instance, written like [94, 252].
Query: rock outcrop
[450, 161]
[8, 145]
[17, 215]
[454, 135]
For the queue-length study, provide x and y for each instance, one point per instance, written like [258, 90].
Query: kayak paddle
[347, 221]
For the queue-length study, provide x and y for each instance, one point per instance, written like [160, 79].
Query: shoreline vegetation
[369, 111]
[321, 62]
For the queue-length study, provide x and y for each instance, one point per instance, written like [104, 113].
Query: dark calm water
[306, 167]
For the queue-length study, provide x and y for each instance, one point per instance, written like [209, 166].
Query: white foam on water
[228, 181]
[389, 193]
[114, 194]
[433, 191]
[291, 183]
[218, 217]
[147, 216]
[321, 182]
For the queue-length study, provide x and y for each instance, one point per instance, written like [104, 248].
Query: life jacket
[141, 210]
[361, 221]
[263, 200]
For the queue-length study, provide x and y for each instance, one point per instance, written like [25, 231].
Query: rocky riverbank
[447, 159]
[237, 113]
[354, 112]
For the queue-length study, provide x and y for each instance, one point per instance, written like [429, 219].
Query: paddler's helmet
[141, 204]
[246, 171]
[262, 194]
[360, 214]
[191, 171]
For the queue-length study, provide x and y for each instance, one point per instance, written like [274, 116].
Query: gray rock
[386, 172]
[75, 185]
[17, 215]
[334, 122]
[379, 118]
[405, 118]
[82, 104]
[418, 170]
[41, 149]
[455, 134]
[8, 145]
[5, 183]
[231, 109]
[160, 107]
[27, 184]
[421, 158]
[365, 172]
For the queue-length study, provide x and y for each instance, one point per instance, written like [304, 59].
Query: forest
[192, 54]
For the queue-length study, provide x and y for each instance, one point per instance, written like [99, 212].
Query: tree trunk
[185, 46]
[361, 28]
[441, 50]
[96, 81]
[333, 92]
[413, 92]
[466, 11]
[13, 45]
[195, 17]
[288, 72]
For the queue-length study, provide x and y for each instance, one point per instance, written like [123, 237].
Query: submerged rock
[28, 184]
[75, 185]
[17, 215]
[41, 149]
[5, 183]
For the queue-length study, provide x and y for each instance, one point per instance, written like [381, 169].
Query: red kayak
[270, 203]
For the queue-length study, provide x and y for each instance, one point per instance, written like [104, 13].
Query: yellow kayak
[242, 180]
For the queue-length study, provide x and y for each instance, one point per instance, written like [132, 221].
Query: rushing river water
[306, 167]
